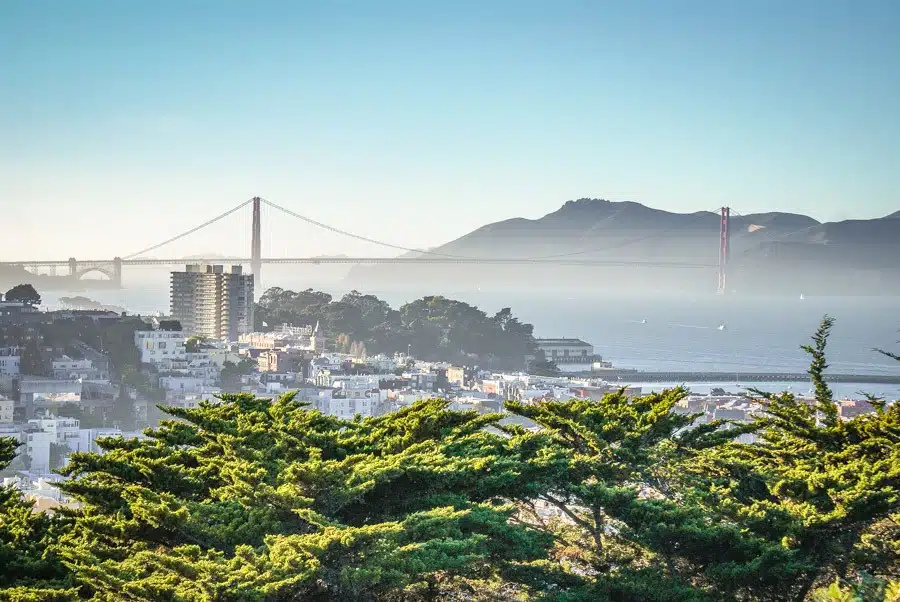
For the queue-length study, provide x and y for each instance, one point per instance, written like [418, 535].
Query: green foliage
[86, 420]
[434, 327]
[57, 455]
[195, 343]
[257, 499]
[31, 362]
[23, 293]
[8, 447]
[864, 589]
[27, 564]
[230, 377]
[816, 483]
[544, 367]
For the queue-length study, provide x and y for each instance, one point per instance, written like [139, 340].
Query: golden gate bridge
[77, 269]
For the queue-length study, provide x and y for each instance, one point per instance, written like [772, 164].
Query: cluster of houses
[185, 371]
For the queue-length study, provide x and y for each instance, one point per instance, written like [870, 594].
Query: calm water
[680, 333]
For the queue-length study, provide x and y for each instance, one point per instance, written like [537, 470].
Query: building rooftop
[562, 342]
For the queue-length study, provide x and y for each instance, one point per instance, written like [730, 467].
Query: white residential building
[157, 345]
[37, 446]
[198, 365]
[182, 384]
[10, 358]
[7, 407]
[210, 302]
[67, 368]
[64, 430]
[349, 406]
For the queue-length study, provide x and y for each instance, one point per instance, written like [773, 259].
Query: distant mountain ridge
[769, 248]
[578, 225]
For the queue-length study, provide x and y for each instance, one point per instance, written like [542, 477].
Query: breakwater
[640, 376]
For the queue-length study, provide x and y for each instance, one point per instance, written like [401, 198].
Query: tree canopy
[23, 293]
[434, 328]
[621, 499]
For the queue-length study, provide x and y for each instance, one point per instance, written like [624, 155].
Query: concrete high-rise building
[210, 302]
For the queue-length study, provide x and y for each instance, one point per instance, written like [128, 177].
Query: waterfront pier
[663, 376]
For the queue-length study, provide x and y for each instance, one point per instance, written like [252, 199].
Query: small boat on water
[644, 321]
[801, 296]
[722, 326]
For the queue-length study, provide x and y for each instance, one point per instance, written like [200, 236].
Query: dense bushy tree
[434, 327]
[28, 568]
[253, 499]
[23, 293]
[257, 499]
[230, 376]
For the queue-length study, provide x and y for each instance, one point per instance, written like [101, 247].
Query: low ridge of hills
[768, 250]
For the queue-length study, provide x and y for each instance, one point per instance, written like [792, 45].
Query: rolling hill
[770, 252]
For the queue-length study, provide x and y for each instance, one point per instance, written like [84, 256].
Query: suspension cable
[191, 231]
[357, 236]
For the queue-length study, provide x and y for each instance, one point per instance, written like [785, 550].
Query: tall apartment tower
[210, 302]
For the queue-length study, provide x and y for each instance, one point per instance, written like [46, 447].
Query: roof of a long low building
[561, 342]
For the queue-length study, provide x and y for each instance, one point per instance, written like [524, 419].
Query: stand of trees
[434, 328]
[257, 499]
[23, 293]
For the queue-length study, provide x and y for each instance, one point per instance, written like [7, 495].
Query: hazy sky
[124, 122]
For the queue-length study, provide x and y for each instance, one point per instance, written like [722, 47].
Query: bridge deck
[82, 263]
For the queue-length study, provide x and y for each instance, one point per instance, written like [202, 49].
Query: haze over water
[680, 334]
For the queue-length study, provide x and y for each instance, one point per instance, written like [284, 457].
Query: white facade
[182, 384]
[63, 430]
[9, 361]
[570, 355]
[348, 407]
[72, 369]
[197, 365]
[37, 446]
[156, 345]
[7, 407]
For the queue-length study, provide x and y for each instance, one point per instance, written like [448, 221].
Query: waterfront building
[571, 355]
[213, 303]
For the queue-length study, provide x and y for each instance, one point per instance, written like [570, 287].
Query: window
[584, 353]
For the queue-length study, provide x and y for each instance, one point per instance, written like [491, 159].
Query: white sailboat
[722, 326]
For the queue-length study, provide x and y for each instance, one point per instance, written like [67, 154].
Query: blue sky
[415, 122]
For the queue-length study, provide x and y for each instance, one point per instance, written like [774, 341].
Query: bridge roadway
[360, 260]
[635, 376]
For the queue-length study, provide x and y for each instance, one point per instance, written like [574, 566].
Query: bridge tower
[256, 242]
[117, 272]
[724, 249]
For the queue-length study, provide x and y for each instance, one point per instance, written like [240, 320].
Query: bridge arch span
[106, 271]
